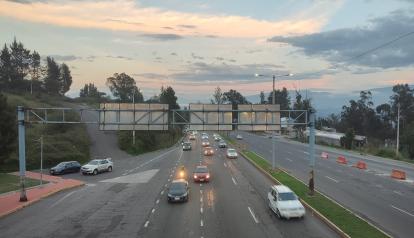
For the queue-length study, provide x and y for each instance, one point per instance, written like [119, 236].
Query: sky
[335, 46]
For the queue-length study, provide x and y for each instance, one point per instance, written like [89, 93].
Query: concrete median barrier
[324, 155]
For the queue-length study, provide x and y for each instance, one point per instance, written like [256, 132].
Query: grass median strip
[9, 182]
[342, 218]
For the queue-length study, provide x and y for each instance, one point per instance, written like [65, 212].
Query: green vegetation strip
[341, 217]
[9, 182]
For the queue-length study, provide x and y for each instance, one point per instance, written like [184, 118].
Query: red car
[201, 174]
[208, 151]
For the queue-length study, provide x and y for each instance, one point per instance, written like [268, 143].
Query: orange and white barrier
[324, 155]
[341, 160]
[398, 174]
[360, 165]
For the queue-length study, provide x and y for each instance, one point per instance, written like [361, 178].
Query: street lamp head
[258, 75]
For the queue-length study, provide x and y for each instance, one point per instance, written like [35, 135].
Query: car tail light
[195, 176]
[208, 176]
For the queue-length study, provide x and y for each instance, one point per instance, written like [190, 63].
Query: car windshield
[287, 196]
[93, 162]
[231, 151]
[201, 170]
[187, 143]
[177, 187]
[61, 164]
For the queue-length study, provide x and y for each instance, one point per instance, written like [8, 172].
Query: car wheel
[110, 169]
[95, 172]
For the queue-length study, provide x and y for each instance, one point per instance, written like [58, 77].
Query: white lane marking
[201, 210]
[225, 165]
[152, 160]
[61, 199]
[201, 191]
[201, 223]
[397, 192]
[162, 192]
[306, 153]
[234, 181]
[252, 213]
[289, 152]
[289, 160]
[201, 199]
[146, 224]
[165, 185]
[336, 181]
[401, 210]
[139, 177]
[158, 201]
[153, 210]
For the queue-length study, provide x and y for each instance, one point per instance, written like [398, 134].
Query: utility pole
[133, 131]
[397, 149]
[41, 160]
[22, 152]
[273, 132]
[311, 151]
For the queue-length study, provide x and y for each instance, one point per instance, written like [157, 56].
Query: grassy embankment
[9, 182]
[61, 142]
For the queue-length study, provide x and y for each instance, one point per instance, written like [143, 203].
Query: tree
[218, 97]
[91, 91]
[262, 98]
[35, 69]
[404, 96]
[5, 68]
[8, 133]
[407, 140]
[348, 139]
[20, 59]
[235, 98]
[123, 87]
[167, 96]
[281, 97]
[52, 79]
[65, 79]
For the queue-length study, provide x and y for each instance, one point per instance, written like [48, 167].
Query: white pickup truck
[97, 166]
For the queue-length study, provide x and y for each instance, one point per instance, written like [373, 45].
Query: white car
[284, 202]
[231, 154]
[239, 137]
[97, 166]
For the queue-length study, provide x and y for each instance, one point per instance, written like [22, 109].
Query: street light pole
[41, 160]
[397, 149]
[273, 132]
[133, 131]
[22, 152]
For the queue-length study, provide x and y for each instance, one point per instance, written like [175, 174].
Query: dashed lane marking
[234, 181]
[401, 210]
[253, 216]
[146, 224]
[336, 181]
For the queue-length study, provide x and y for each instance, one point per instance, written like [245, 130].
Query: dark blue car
[66, 167]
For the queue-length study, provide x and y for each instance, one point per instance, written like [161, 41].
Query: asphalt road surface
[372, 194]
[131, 201]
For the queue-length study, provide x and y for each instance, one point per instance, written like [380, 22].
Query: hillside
[61, 142]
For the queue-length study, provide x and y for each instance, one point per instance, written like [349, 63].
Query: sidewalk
[9, 202]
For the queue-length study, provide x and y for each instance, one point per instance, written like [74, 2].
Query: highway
[372, 194]
[131, 201]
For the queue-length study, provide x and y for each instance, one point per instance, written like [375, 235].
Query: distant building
[334, 138]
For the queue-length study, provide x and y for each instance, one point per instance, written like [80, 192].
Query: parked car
[97, 166]
[178, 191]
[201, 174]
[284, 202]
[231, 154]
[239, 137]
[217, 138]
[222, 144]
[205, 143]
[208, 151]
[65, 167]
[187, 145]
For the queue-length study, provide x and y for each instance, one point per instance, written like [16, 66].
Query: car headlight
[195, 176]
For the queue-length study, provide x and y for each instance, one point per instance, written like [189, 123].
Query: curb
[330, 224]
[30, 202]
[318, 214]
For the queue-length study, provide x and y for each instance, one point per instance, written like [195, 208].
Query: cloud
[130, 15]
[345, 45]
[196, 57]
[173, 54]
[119, 57]
[224, 59]
[187, 26]
[65, 57]
[162, 37]
[200, 72]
